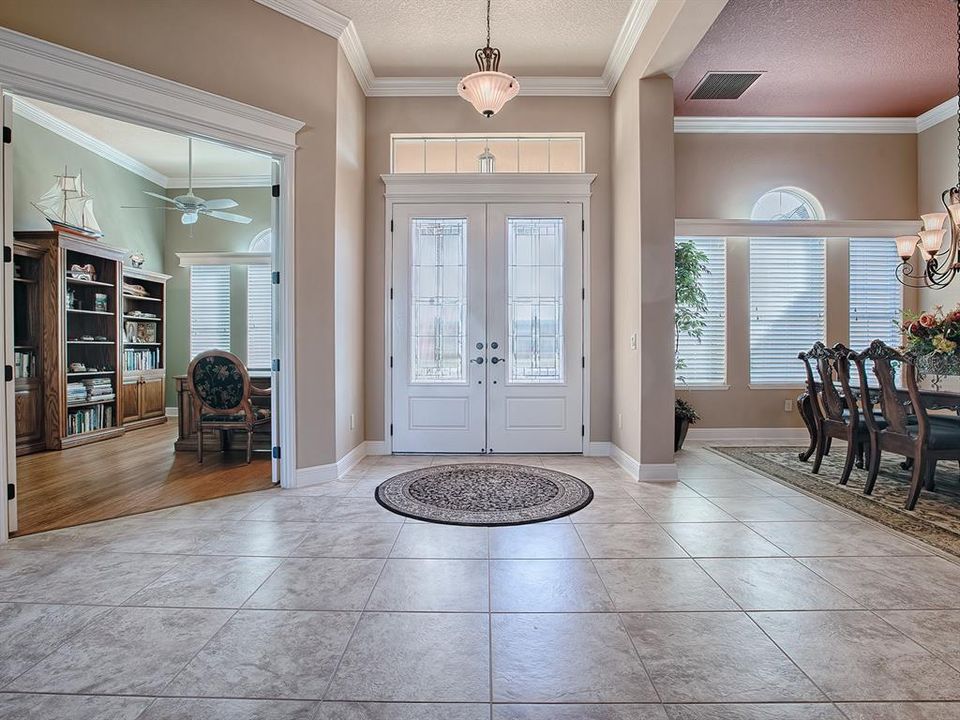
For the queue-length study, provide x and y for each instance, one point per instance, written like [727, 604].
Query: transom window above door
[487, 153]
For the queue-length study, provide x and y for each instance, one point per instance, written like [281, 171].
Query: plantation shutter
[876, 296]
[787, 306]
[209, 308]
[259, 329]
[705, 361]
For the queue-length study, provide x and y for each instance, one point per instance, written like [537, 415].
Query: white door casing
[8, 442]
[438, 315]
[535, 295]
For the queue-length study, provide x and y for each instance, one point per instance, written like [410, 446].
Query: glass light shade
[488, 91]
[954, 209]
[906, 244]
[933, 221]
[931, 240]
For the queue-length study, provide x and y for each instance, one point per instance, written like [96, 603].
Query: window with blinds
[705, 359]
[787, 306]
[259, 325]
[209, 308]
[876, 296]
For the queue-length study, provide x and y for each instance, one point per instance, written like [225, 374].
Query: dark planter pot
[680, 427]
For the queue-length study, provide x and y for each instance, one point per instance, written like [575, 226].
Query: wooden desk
[187, 432]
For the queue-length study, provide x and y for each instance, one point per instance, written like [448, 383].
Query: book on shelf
[90, 389]
[24, 364]
[141, 358]
[89, 419]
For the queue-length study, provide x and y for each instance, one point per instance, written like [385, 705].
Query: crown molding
[222, 181]
[637, 18]
[944, 111]
[29, 111]
[868, 125]
[447, 86]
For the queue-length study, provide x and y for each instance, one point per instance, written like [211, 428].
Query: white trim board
[226, 257]
[319, 474]
[695, 227]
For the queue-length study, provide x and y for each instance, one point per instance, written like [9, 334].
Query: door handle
[495, 360]
[477, 360]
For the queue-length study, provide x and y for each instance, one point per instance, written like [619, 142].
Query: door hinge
[583, 293]
[7, 135]
[8, 373]
[275, 191]
[391, 293]
[275, 452]
[583, 226]
[391, 361]
[7, 254]
[275, 365]
[391, 224]
[391, 429]
[583, 361]
[583, 430]
[275, 277]
[11, 491]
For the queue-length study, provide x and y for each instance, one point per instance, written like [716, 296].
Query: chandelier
[939, 262]
[488, 90]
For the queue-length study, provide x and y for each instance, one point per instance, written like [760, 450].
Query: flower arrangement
[930, 333]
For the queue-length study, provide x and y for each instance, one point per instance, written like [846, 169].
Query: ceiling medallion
[488, 90]
[939, 265]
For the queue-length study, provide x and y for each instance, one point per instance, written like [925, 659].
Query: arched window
[787, 203]
[259, 311]
[788, 290]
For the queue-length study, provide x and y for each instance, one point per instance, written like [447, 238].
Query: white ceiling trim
[31, 112]
[637, 18]
[222, 181]
[868, 125]
[447, 86]
[944, 111]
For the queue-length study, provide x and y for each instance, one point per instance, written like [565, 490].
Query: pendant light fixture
[488, 90]
[937, 265]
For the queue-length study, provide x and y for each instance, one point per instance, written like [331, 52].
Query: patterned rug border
[576, 508]
[899, 520]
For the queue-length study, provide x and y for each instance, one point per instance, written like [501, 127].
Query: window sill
[776, 386]
[703, 386]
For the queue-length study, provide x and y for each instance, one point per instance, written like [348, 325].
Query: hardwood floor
[131, 474]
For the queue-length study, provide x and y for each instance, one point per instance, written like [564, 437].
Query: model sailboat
[66, 205]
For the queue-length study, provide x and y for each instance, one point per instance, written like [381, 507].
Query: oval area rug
[484, 494]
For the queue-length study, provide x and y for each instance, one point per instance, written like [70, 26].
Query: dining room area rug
[935, 520]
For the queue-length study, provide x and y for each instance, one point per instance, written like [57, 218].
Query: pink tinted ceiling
[828, 58]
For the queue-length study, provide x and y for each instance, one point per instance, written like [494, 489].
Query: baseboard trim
[376, 447]
[318, 474]
[746, 435]
[625, 460]
[173, 411]
[597, 449]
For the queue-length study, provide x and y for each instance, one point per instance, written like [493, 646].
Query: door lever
[495, 360]
[478, 360]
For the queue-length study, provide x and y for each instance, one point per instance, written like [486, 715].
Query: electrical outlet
[620, 421]
[633, 341]
[353, 421]
[788, 405]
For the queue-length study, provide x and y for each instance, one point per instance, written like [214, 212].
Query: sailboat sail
[67, 204]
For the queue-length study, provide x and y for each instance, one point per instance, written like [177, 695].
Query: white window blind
[787, 306]
[259, 325]
[705, 361]
[876, 296]
[209, 308]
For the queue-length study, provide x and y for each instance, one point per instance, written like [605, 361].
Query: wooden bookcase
[143, 356]
[81, 340]
[28, 290]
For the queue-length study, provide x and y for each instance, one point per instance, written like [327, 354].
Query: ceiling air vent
[723, 85]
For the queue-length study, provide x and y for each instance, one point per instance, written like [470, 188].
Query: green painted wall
[209, 235]
[39, 154]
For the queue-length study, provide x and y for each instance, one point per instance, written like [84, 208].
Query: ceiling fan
[192, 206]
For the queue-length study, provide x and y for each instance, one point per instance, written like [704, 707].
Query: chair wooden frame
[250, 419]
[897, 437]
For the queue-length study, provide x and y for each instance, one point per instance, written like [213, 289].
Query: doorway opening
[134, 251]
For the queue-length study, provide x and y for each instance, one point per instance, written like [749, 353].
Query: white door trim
[429, 188]
[43, 70]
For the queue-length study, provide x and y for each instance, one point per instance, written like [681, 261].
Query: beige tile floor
[723, 596]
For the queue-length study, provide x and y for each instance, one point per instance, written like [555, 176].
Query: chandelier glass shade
[488, 89]
[939, 261]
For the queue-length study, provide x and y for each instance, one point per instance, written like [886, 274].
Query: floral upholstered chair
[221, 391]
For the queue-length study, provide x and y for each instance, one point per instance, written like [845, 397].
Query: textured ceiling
[439, 37]
[164, 152]
[828, 58]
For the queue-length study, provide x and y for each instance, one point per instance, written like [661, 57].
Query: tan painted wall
[245, 51]
[349, 258]
[524, 114]
[855, 177]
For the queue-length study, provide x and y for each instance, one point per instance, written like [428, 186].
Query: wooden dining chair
[908, 429]
[221, 390]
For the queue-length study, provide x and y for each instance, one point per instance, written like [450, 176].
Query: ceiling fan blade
[188, 218]
[232, 217]
[158, 195]
[220, 204]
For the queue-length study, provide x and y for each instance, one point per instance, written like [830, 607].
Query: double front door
[487, 335]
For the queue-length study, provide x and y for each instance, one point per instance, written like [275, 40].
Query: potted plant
[689, 318]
